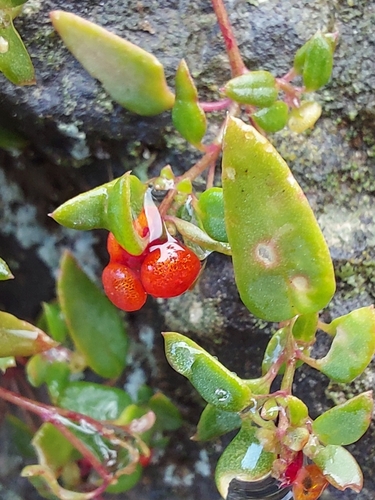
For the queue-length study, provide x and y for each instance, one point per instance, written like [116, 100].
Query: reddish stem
[209, 107]
[236, 63]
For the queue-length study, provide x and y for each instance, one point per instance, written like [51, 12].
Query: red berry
[123, 287]
[292, 470]
[309, 483]
[119, 255]
[169, 269]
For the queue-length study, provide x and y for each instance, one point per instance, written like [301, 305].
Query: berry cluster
[165, 269]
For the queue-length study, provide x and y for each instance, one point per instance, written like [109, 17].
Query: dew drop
[4, 45]
[222, 395]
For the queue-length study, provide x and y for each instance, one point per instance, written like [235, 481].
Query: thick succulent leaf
[94, 400]
[243, 459]
[187, 115]
[19, 338]
[5, 272]
[353, 345]
[15, 61]
[304, 328]
[345, 423]
[94, 322]
[304, 117]
[193, 233]
[214, 423]
[133, 77]
[87, 210]
[255, 87]
[125, 203]
[272, 119]
[340, 468]
[210, 209]
[281, 261]
[9, 4]
[215, 383]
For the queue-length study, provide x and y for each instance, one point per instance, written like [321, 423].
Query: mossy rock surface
[70, 122]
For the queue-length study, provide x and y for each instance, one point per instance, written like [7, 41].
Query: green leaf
[255, 87]
[15, 61]
[243, 459]
[210, 209]
[215, 422]
[10, 139]
[19, 338]
[94, 322]
[126, 481]
[192, 233]
[8, 362]
[215, 383]
[125, 203]
[94, 400]
[296, 410]
[53, 449]
[281, 261]
[187, 115]
[353, 345]
[87, 210]
[133, 77]
[314, 61]
[304, 328]
[339, 468]
[272, 119]
[9, 4]
[55, 373]
[167, 415]
[20, 436]
[56, 325]
[345, 423]
[5, 272]
[275, 349]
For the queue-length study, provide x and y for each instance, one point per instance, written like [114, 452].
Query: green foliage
[133, 77]
[282, 269]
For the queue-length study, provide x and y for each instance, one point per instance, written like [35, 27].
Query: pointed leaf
[9, 4]
[19, 338]
[125, 203]
[167, 415]
[94, 323]
[243, 459]
[340, 468]
[353, 345]
[215, 383]
[94, 400]
[215, 422]
[56, 325]
[87, 210]
[187, 115]
[281, 261]
[5, 272]
[133, 77]
[345, 423]
[15, 61]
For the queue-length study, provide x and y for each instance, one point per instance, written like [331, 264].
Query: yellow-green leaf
[133, 77]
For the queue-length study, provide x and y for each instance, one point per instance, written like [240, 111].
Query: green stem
[236, 63]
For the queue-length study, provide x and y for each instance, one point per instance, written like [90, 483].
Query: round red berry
[123, 287]
[169, 269]
[119, 255]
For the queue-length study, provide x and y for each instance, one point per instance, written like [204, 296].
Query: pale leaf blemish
[230, 173]
[265, 253]
[300, 283]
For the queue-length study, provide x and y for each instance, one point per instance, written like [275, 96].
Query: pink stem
[236, 63]
[209, 107]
